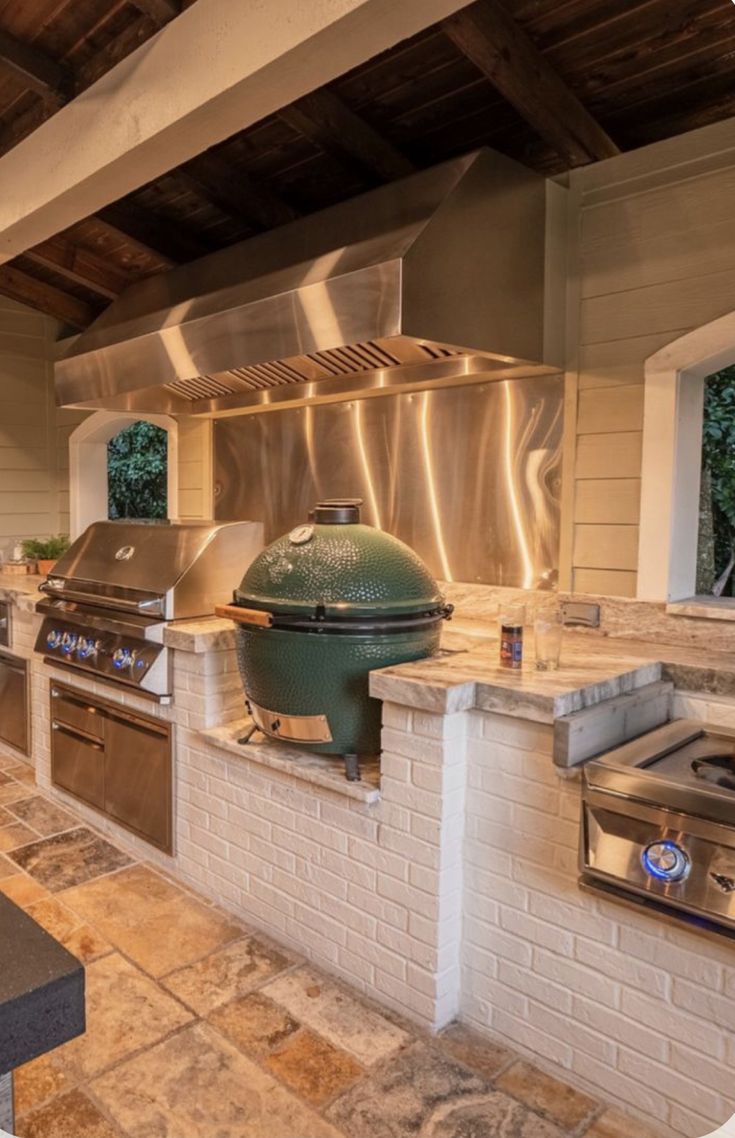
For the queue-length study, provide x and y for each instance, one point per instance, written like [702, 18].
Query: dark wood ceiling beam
[235, 192]
[45, 297]
[505, 54]
[325, 119]
[154, 232]
[160, 11]
[80, 266]
[35, 70]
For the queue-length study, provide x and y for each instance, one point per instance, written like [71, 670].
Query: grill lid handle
[337, 511]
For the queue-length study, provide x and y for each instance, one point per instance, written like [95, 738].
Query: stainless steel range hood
[434, 279]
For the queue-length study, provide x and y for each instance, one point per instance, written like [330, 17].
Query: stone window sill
[704, 608]
[326, 771]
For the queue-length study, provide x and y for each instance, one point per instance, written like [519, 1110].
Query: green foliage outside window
[137, 472]
[716, 553]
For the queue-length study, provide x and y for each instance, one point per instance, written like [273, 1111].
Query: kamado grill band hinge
[319, 622]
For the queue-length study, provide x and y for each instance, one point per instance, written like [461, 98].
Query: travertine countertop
[20, 589]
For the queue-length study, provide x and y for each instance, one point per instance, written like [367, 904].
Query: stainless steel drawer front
[14, 702]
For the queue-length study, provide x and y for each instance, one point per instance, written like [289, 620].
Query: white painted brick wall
[635, 1008]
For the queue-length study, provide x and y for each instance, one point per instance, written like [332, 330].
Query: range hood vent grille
[351, 359]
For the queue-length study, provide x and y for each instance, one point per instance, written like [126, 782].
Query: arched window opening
[716, 537]
[137, 472]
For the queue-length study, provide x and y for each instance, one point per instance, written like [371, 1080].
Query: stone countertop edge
[41, 990]
[326, 771]
[543, 697]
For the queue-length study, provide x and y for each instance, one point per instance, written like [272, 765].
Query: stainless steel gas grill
[658, 823]
[109, 598]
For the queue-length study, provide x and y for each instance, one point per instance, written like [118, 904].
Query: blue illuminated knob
[666, 861]
[68, 642]
[122, 658]
[86, 647]
[53, 639]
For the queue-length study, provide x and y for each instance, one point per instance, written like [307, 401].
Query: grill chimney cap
[338, 511]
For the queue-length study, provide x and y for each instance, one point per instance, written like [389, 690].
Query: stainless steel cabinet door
[78, 764]
[138, 777]
[13, 703]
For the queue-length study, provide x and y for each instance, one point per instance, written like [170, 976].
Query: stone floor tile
[313, 1067]
[86, 944]
[72, 1115]
[22, 772]
[15, 835]
[494, 1116]
[254, 1023]
[11, 791]
[69, 859]
[125, 1012]
[7, 868]
[45, 817]
[22, 889]
[614, 1124]
[7, 761]
[406, 1096]
[337, 1015]
[557, 1101]
[197, 1085]
[35, 1082]
[225, 975]
[6, 817]
[483, 1055]
[136, 910]
[54, 917]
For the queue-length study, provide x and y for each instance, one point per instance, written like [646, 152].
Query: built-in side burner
[658, 822]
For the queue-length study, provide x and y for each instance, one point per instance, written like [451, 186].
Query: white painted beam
[216, 69]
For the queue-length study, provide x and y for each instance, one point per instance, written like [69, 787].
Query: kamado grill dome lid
[333, 566]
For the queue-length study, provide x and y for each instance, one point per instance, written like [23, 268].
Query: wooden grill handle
[245, 616]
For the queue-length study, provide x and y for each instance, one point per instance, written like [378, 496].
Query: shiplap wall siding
[29, 500]
[656, 257]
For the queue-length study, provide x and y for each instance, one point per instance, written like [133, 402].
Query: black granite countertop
[41, 990]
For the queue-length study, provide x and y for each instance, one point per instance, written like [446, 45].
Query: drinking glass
[547, 633]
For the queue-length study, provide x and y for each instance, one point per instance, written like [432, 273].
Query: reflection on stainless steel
[430, 466]
[109, 597]
[652, 829]
[447, 263]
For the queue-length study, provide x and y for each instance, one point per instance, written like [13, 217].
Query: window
[137, 472]
[716, 538]
[681, 551]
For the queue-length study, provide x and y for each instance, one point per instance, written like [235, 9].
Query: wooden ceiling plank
[499, 47]
[123, 252]
[152, 231]
[80, 266]
[36, 71]
[45, 297]
[325, 119]
[160, 11]
[211, 72]
[236, 192]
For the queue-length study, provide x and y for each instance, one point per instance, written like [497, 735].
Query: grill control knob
[87, 647]
[53, 639]
[121, 658]
[666, 861]
[68, 642]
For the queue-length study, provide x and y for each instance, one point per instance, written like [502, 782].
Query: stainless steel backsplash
[470, 477]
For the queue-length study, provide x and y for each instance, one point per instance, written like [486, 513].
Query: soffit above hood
[436, 277]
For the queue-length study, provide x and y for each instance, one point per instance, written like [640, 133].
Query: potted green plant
[45, 551]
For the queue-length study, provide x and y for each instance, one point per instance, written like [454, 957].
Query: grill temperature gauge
[666, 861]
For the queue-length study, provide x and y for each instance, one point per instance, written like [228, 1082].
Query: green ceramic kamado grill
[316, 612]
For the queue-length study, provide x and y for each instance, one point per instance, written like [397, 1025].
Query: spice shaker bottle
[512, 619]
